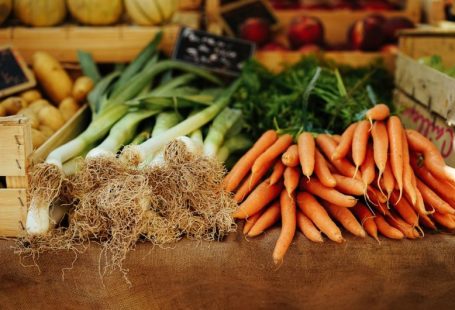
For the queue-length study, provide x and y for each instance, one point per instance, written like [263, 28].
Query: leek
[232, 145]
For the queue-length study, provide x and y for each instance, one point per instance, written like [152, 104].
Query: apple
[366, 34]
[255, 30]
[393, 25]
[305, 30]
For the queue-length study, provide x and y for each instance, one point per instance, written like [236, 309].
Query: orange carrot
[277, 172]
[360, 143]
[432, 199]
[380, 146]
[250, 221]
[291, 179]
[427, 222]
[367, 168]
[373, 191]
[322, 171]
[327, 146]
[409, 231]
[395, 132]
[307, 228]
[444, 220]
[318, 215]
[331, 195]
[349, 186]
[270, 216]
[387, 230]
[345, 142]
[336, 138]
[405, 209]
[441, 187]
[366, 218]
[408, 186]
[378, 113]
[272, 152]
[378, 200]
[256, 177]
[306, 149]
[346, 218]
[251, 182]
[288, 226]
[291, 157]
[433, 158]
[258, 199]
[243, 166]
[388, 182]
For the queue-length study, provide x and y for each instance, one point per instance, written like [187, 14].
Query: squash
[151, 12]
[5, 9]
[40, 13]
[96, 12]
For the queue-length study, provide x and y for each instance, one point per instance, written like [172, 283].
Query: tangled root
[46, 182]
[116, 204]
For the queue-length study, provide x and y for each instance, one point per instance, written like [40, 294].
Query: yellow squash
[40, 13]
[96, 12]
[151, 12]
[5, 9]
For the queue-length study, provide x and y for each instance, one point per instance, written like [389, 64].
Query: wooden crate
[429, 41]
[431, 88]
[417, 116]
[17, 156]
[276, 60]
[433, 11]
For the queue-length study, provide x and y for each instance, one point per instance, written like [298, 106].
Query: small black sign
[217, 53]
[234, 15]
[14, 74]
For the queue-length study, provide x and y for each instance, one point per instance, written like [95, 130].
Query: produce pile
[148, 167]
[63, 98]
[375, 177]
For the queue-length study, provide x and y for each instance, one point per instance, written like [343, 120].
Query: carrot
[388, 182]
[408, 186]
[306, 149]
[380, 197]
[377, 199]
[409, 231]
[288, 226]
[367, 168]
[275, 150]
[349, 186]
[327, 146]
[366, 218]
[250, 221]
[258, 199]
[432, 199]
[395, 131]
[441, 187]
[291, 157]
[433, 158]
[243, 166]
[346, 218]
[270, 216]
[360, 143]
[322, 171]
[331, 195]
[345, 142]
[427, 222]
[444, 220]
[256, 177]
[387, 230]
[291, 179]
[380, 146]
[378, 113]
[250, 183]
[336, 138]
[318, 215]
[307, 228]
[277, 172]
[405, 209]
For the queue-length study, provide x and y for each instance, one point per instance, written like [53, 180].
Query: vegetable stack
[376, 177]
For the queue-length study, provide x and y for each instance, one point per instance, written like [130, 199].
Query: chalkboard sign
[234, 15]
[216, 53]
[14, 74]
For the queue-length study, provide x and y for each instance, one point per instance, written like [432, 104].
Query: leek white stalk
[232, 145]
[220, 126]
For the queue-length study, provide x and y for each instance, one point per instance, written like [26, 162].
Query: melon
[96, 12]
[5, 9]
[40, 13]
[151, 12]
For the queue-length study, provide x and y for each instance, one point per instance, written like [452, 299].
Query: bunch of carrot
[377, 177]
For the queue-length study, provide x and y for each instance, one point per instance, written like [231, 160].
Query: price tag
[14, 73]
[217, 53]
[234, 14]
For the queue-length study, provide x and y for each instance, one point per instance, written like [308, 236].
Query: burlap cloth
[239, 274]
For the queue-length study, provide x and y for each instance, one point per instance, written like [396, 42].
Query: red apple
[366, 34]
[393, 25]
[376, 5]
[274, 46]
[255, 30]
[305, 30]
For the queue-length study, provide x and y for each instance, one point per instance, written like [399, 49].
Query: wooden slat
[14, 148]
[13, 212]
